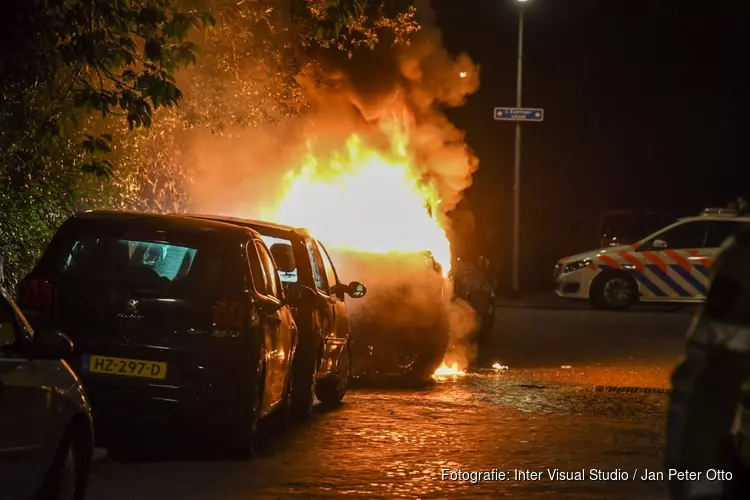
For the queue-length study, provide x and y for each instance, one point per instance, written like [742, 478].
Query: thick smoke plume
[241, 173]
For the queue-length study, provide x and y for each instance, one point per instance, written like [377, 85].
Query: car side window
[686, 235]
[327, 264]
[270, 272]
[256, 269]
[319, 274]
[719, 231]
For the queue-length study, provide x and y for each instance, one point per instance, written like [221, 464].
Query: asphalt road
[535, 416]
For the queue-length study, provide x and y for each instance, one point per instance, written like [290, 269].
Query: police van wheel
[613, 291]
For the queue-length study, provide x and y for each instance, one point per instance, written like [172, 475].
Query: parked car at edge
[323, 362]
[46, 434]
[180, 325]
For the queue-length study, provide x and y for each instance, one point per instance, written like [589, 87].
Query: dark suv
[178, 324]
[323, 365]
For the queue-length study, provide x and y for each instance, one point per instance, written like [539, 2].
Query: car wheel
[613, 291]
[303, 396]
[331, 390]
[244, 438]
[68, 477]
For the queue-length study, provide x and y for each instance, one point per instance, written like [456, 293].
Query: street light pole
[517, 159]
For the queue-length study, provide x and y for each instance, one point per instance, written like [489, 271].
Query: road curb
[633, 390]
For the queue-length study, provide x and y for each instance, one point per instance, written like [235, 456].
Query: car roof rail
[726, 212]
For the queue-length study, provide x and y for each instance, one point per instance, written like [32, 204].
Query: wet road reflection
[395, 443]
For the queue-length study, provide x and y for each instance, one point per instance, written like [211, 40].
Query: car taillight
[37, 295]
[229, 318]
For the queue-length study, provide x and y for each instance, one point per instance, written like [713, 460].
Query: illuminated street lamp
[517, 154]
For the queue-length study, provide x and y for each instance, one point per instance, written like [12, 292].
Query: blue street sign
[519, 114]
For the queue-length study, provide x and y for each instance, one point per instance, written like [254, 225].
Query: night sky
[645, 103]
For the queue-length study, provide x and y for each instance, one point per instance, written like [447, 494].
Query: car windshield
[289, 276]
[142, 264]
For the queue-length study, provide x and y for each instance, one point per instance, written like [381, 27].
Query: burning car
[401, 328]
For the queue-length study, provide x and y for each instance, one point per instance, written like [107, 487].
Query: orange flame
[365, 198]
[445, 370]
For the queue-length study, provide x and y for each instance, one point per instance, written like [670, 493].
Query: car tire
[303, 395]
[243, 439]
[613, 291]
[331, 390]
[68, 476]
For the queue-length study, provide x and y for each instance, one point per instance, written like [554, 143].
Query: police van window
[327, 264]
[269, 269]
[319, 276]
[256, 269]
[687, 235]
[719, 231]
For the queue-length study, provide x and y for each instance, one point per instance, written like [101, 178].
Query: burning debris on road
[448, 371]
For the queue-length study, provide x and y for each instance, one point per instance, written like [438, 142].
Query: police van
[670, 265]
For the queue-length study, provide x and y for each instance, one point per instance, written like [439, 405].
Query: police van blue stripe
[648, 283]
[643, 280]
[685, 274]
[701, 269]
[667, 280]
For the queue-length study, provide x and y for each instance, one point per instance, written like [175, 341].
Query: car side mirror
[51, 344]
[284, 257]
[356, 290]
[660, 244]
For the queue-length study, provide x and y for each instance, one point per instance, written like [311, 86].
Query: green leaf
[153, 49]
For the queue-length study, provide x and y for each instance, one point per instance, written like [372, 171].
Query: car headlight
[575, 266]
